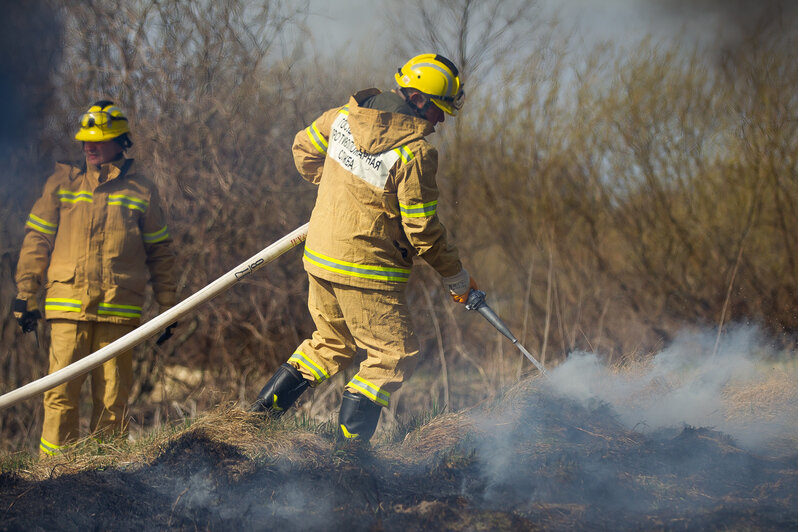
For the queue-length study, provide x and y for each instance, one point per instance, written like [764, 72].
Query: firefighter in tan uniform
[93, 239]
[375, 211]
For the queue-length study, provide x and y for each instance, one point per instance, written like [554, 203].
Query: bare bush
[603, 202]
[204, 86]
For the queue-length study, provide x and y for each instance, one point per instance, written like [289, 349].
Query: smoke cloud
[677, 434]
[30, 34]
[689, 383]
[30, 40]
[726, 26]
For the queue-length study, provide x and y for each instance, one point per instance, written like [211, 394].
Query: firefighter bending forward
[96, 235]
[375, 211]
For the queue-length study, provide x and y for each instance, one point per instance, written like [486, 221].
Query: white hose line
[158, 323]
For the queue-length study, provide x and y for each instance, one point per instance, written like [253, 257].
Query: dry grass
[768, 402]
[256, 438]
[527, 459]
[769, 398]
[440, 435]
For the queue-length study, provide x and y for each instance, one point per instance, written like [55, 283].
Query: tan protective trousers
[110, 383]
[346, 318]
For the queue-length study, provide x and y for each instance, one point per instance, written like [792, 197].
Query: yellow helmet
[435, 76]
[103, 121]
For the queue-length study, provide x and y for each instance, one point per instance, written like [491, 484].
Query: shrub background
[605, 200]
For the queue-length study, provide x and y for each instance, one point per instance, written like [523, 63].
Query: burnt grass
[550, 465]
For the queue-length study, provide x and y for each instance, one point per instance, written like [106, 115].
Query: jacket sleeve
[160, 255]
[417, 192]
[37, 245]
[310, 146]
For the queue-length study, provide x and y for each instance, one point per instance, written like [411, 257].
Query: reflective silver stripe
[374, 393]
[419, 211]
[405, 153]
[379, 273]
[373, 168]
[446, 74]
[62, 304]
[300, 358]
[49, 448]
[158, 236]
[43, 226]
[316, 138]
[128, 201]
[125, 311]
[68, 196]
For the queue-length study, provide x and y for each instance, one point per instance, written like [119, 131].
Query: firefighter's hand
[27, 319]
[463, 298]
[166, 334]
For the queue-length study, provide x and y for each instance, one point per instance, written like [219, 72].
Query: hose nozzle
[476, 301]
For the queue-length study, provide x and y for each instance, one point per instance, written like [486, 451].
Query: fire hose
[476, 301]
[158, 323]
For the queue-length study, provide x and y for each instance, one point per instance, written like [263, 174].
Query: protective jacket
[377, 201]
[98, 234]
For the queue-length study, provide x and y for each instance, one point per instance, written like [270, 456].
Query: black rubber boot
[282, 390]
[358, 418]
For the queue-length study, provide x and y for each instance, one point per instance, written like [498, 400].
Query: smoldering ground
[697, 433]
[700, 436]
[734, 383]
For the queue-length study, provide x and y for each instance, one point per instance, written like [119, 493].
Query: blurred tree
[478, 36]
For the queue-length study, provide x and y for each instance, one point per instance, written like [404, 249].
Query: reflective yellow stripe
[128, 201]
[158, 236]
[404, 153]
[374, 393]
[379, 273]
[125, 311]
[43, 226]
[274, 404]
[62, 304]
[348, 435]
[68, 196]
[301, 358]
[316, 138]
[419, 211]
[49, 448]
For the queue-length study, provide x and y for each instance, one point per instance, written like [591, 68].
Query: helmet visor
[458, 100]
[100, 119]
[450, 104]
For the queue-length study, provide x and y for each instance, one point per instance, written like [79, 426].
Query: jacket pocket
[60, 273]
[131, 282]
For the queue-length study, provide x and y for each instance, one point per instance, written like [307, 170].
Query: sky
[336, 23]
[710, 23]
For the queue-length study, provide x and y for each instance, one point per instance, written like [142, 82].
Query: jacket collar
[111, 170]
[377, 131]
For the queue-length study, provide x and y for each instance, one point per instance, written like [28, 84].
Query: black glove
[166, 334]
[26, 319]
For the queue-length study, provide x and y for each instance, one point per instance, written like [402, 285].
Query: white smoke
[659, 435]
[689, 383]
